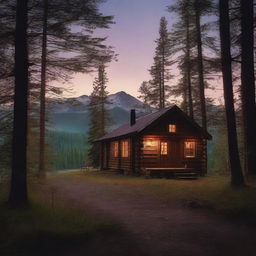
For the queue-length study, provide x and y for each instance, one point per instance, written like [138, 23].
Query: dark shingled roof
[145, 121]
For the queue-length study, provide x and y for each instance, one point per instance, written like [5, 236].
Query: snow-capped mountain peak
[125, 101]
[120, 99]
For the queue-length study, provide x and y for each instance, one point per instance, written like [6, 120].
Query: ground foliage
[47, 227]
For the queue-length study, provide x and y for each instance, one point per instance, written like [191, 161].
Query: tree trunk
[18, 189]
[200, 66]
[41, 172]
[163, 79]
[188, 69]
[235, 165]
[248, 86]
[185, 106]
[160, 87]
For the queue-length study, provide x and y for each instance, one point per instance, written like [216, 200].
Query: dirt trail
[160, 229]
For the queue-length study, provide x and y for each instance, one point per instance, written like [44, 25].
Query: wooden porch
[178, 173]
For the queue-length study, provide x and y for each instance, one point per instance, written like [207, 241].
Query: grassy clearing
[213, 193]
[43, 230]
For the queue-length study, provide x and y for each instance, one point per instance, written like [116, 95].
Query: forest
[208, 48]
[200, 49]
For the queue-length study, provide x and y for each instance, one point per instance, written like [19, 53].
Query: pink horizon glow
[133, 36]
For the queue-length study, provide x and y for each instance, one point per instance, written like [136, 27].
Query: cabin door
[169, 154]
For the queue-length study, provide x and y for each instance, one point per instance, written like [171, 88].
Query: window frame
[164, 148]
[115, 149]
[125, 148]
[186, 155]
[172, 128]
[150, 148]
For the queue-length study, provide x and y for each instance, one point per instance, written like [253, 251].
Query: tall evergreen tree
[194, 47]
[58, 16]
[155, 88]
[144, 92]
[41, 168]
[99, 115]
[158, 88]
[201, 7]
[183, 40]
[163, 61]
[248, 84]
[235, 165]
[18, 190]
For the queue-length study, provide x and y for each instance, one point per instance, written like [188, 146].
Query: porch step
[111, 171]
[178, 173]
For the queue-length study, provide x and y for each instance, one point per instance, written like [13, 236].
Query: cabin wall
[184, 131]
[118, 162]
[138, 145]
[113, 162]
[137, 160]
[198, 162]
[175, 157]
[125, 162]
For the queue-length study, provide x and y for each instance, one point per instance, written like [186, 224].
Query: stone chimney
[133, 117]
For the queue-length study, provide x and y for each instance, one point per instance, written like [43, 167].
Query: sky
[133, 35]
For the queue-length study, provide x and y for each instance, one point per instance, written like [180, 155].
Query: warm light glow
[164, 148]
[150, 144]
[190, 149]
[172, 128]
[125, 148]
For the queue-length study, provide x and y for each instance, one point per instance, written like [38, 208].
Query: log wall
[138, 158]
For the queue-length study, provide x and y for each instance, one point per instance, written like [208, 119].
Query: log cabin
[164, 143]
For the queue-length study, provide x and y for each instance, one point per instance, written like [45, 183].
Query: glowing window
[150, 144]
[172, 128]
[125, 148]
[164, 148]
[115, 149]
[190, 149]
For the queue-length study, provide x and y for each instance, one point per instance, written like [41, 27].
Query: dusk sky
[133, 36]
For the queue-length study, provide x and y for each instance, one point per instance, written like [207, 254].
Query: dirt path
[159, 228]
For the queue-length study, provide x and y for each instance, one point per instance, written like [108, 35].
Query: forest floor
[161, 217]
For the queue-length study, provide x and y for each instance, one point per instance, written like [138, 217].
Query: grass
[49, 229]
[43, 230]
[214, 192]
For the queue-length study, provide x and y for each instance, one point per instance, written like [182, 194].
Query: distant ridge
[71, 114]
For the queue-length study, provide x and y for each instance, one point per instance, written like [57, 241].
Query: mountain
[71, 114]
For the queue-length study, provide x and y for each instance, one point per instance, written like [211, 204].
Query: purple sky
[133, 35]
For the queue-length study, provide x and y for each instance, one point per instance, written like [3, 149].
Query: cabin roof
[145, 121]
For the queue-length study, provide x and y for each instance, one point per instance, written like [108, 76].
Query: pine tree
[235, 165]
[183, 41]
[163, 61]
[51, 39]
[57, 17]
[248, 84]
[18, 190]
[156, 96]
[158, 88]
[99, 115]
[41, 168]
[145, 92]
[201, 7]
[196, 54]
